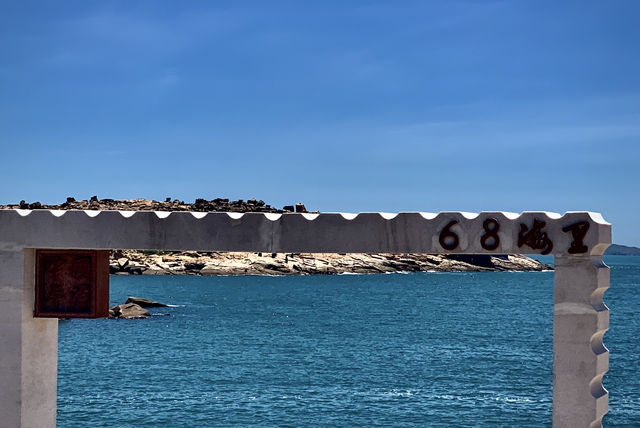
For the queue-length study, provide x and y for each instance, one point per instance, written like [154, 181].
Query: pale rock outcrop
[243, 263]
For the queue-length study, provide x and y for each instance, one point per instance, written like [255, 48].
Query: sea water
[420, 349]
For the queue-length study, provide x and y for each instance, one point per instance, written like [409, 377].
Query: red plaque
[72, 284]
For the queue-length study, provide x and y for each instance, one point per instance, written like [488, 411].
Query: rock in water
[128, 310]
[145, 303]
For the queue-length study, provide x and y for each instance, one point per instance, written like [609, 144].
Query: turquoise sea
[414, 350]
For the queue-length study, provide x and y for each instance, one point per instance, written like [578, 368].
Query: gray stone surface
[28, 346]
[580, 358]
[289, 232]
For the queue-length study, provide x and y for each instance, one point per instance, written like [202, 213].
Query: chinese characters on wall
[532, 236]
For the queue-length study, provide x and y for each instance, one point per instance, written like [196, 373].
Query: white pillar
[28, 347]
[580, 358]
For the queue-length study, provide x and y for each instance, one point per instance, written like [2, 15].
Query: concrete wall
[365, 232]
[28, 346]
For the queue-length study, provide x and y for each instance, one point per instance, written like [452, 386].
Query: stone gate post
[28, 347]
[580, 359]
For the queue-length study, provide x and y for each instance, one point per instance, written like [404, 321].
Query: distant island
[622, 250]
[131, 262]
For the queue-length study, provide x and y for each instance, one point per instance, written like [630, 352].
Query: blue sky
[346, 106]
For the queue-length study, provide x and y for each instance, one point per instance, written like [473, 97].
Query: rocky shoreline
[130, 262]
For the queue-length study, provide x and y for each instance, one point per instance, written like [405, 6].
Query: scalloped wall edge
[594, 216]
[597, 388]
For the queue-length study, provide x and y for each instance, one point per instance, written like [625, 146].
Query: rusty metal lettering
[448, 239]
[578, 231]
[490, 240]
[535, 238]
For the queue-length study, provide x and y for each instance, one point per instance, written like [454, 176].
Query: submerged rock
[128, 310]
[145, 303]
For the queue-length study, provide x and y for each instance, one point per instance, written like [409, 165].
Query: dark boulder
[145, 303]
[480, 260]
[128, 311]
[194, 266]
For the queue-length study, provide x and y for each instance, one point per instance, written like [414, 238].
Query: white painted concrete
[365, 232]
[28, 346]
[11, 295]
[580, 358]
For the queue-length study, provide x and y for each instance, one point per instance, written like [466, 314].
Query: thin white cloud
[111, 37]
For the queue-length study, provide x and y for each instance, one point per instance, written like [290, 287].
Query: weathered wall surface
[528, 233]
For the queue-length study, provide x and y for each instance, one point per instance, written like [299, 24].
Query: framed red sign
[72, 284]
